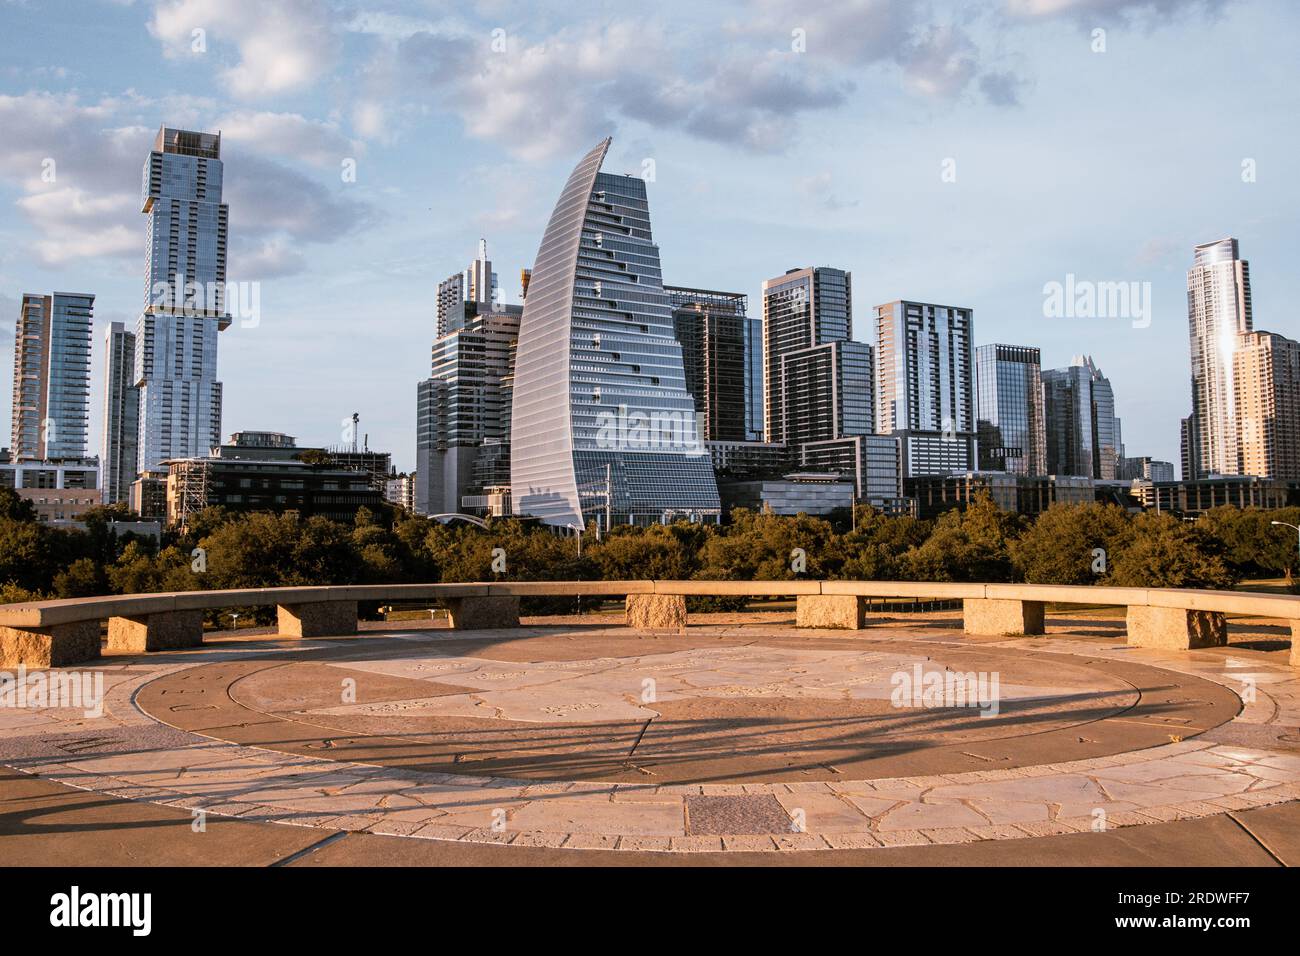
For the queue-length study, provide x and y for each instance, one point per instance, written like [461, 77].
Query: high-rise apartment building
[175, 366]
[819, 391]
[754, 392]
[602, 422]
[711, 328]
[118, 443]
[1009, 409]
[476, 284]
[1083, 433]
[463, 408]
[801, 309]
[51, 396]
[1218, 314]
[1266, 380]
[925, 385]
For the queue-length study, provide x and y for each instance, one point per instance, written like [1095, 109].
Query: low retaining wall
[64, 632]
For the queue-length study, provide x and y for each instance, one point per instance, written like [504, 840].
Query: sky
[965, 154]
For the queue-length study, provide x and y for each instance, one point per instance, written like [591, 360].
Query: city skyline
[1060, 182]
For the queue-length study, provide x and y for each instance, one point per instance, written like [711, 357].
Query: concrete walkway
[576, 744]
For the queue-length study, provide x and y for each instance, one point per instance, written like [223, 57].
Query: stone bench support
[1175, 628]
[1000, 617]
[656, 612]
[155, 632]
[845, 611]
[482, 613]
[56, 646]
[318, 619]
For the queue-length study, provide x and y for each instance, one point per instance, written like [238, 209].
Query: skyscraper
[925, 385]
[463, 408]
[602, 421]
[819, 393]
[754, 392]
[119, 455]
[1218, 313]
[1266, 377]
[1083, 433]
[51, 397]
[185, 306]
[801, 309]
[476, 284]
[711, 329]
[1009, 404]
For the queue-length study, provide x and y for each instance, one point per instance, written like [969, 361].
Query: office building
[61, 490]
[925, 385]
[265, 471]
[1009, 409]
[712, 330]
[185, 299]
[51, 388]
[1147, 469]
[463, 409]
[1082, 431]
[118, 443]
[602, 423]
[400, 490]
[793, 494]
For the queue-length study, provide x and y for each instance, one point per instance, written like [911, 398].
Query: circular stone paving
[716, 739]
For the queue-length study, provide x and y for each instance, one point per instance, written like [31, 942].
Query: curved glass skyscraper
[602, 425]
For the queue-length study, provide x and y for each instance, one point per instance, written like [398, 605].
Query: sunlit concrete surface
[579, 734]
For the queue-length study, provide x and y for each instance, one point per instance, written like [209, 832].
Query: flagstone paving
[757, 739]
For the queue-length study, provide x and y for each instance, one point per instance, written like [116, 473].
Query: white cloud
[90, 207]
[289, 135]
[283, 47]
[1104, 10]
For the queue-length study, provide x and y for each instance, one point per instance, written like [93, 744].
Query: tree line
[1067, 544]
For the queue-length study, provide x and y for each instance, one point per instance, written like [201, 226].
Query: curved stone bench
[63, 632]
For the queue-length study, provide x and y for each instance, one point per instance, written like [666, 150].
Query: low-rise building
[62, 490]
[796, 493]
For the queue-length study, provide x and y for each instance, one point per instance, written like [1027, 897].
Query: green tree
[967, 545]
[1166, 552]
[1060, 546]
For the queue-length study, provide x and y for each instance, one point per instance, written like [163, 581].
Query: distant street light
[1296, 529]
[577, 536]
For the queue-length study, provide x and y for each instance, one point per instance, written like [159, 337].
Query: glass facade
[712, 329]
[1083, 434]
[464, 408]
[1218, 313]
[925, 384]
[1008, 380]
[175, 367]
[602, 422]
[51, 394]
[802, 309]
[121, 415]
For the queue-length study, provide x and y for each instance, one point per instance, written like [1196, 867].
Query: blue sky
[779, 138]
